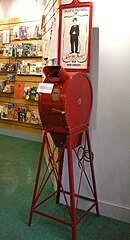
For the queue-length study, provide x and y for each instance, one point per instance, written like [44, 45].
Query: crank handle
[54, 110]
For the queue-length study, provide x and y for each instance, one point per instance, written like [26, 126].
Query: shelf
[30, 80]
[29, 57]
[4, 57]
[25, 124]
[4, 93]
[24, 39]
[3, 72]
[33, 75]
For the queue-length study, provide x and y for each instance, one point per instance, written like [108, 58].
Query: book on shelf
[33, 50]
[33, 68]
[18, 89]
[19, 49]
[38, 68]
[26, 49]
[23, 32]
[26, 93]
[22, 113]
[28, 116]
[19, 66]
[6, 50]
[10, 115]
[25, 67]
[33, 93]
[14, 112]
[10, 77]
[9, 50]
[1, 107]
[2, 85]
[9, 88]
[1, 37]
[39, 31]
[35, 117]
[31, 31]
[6, 36]
[4, 111]
[39, 50]
[16, 31]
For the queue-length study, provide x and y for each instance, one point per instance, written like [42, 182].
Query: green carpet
[18, 164]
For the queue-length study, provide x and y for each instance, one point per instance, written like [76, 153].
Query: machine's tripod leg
[60, 176]
[92, 171]
[71, 186]
[37, 178]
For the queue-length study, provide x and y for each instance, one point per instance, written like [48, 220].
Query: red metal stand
[54, 168]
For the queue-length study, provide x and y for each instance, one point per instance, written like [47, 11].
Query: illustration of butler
[74, 35]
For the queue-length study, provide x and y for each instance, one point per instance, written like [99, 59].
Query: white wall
[21, 8]
[110, 120]
[111, 134]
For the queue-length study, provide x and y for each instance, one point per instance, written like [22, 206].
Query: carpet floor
[18, 164]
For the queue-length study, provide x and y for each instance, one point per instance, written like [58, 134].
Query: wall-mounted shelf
[28, 80]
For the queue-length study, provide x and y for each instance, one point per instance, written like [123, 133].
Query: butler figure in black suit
[74, 34]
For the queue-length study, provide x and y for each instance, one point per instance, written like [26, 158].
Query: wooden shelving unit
[29, 80]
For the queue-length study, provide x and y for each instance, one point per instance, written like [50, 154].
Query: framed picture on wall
[75, 36]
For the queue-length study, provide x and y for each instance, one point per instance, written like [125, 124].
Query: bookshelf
[10, 116]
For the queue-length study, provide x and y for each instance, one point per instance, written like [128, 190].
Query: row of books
[6, 67]
[25, 67]
[22, 32]
[22, 50]
[27, 31]
[28, 93]
[19, 112]
[29, 67]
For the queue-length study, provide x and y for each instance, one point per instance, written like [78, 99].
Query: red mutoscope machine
[65, 113]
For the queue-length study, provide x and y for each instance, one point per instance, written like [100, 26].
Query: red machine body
[68, 107]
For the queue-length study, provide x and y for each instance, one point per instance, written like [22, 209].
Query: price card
[45, 88]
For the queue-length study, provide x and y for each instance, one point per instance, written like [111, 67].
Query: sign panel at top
[75, 36]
